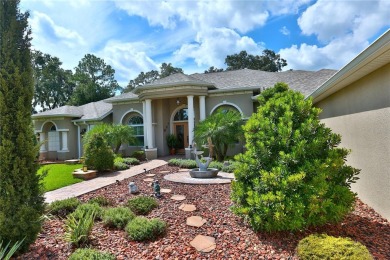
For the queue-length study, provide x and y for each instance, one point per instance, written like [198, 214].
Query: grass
[59, 175]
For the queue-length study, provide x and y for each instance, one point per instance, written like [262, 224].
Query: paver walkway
[99, 182]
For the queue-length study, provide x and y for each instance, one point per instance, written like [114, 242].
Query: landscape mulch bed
[234, 238]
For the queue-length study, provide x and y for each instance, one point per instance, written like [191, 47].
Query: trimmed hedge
[328, 247]
[88, 253]
[141, 228]
[117, 217]
[62, 208]
[142, 205]
[82, 209]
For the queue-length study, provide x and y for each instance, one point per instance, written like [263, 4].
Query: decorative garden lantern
[85, 168]
[133, 188]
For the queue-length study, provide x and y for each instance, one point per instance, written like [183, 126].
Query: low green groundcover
[59, 175]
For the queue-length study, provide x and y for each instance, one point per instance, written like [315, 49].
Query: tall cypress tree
[21, 198]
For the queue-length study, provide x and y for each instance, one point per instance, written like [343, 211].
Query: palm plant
[223, 128]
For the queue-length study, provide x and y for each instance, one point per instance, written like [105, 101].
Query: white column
[145, 126]
[149, 125]
[42, 141]
[79, 140]
[64, 141]
[202, 108]
[190, 101]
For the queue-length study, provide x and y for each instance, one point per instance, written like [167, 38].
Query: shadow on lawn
[373, 232]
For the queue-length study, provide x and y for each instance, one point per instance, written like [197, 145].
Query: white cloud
[285, 31]
[212, 47]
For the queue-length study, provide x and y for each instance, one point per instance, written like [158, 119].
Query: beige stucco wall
[360, 112]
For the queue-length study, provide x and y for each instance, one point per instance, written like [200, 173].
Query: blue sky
[135, 36]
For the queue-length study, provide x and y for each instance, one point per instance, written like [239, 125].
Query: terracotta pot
[172, 151]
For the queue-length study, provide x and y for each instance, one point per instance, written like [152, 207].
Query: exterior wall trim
[229, 104]
[130, 111]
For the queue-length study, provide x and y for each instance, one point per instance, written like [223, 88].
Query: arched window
[137, 123]
[226, 108]
[181, 115]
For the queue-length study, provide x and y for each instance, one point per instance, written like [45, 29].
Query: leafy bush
[100, 200]
[82, 209]
[327, 247]
[97, 152]
[117, 217]
[142, 205]
[183, 163]
[120, 166]
[77, 230]
[231, 167]
[88, 253]
[140, 228]
[6, 252]
[139, 155]
[292, 175]
[62, 208]
[131, 161]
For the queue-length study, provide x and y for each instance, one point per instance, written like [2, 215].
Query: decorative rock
[178, 197]
[166, 190]
[149, 180]
[150, 175]
[195, 221]
[203, 244]
[187, 207]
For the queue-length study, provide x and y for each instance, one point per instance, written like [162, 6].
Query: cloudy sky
[135, 36]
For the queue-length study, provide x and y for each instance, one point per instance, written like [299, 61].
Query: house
[356, 104]
[174, 104]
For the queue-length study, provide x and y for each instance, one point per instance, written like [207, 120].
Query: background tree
[21, 199]
[143, 78]
[94, 81]
[212, 69]
[53, 85]
[269, 61]
[292, 175]
[224, 129]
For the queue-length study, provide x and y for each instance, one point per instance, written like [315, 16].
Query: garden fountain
[203, 171]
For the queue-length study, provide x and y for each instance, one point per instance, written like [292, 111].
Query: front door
[181, 132]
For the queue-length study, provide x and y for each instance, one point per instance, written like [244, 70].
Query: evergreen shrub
[90, 254]
[101, 201]
[62, 208]
[85, 208]
[120, 166]
[117, 217]
[142, 205]
[140, 228]
[131, 161]
[98, 153]
[318, 247]
[292, 175]
[139, 155]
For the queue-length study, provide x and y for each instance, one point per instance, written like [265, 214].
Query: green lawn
[59, 175]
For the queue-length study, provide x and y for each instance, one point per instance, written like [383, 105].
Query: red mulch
[234, 239]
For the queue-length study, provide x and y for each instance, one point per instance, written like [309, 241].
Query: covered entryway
[180, 129]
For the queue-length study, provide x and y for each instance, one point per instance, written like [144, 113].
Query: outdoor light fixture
[177, 101]
[85, 168]
[82, 133]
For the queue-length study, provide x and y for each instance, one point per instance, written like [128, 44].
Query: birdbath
[202, 171]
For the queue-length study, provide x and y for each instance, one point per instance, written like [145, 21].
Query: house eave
[174, 84]
[93, 119]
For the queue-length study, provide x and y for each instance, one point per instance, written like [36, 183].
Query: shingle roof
[124, 96]
[90, 111]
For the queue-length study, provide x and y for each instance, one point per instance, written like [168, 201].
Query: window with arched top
[181, 115]
[137, 123]
[226, 108]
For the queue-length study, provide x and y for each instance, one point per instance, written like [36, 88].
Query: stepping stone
[149, 180]
[150, 175]
[187, 207]
[195, 221]
[183, 170]
[203, 244]
[165, 190]
[178, 197]
[164, 171]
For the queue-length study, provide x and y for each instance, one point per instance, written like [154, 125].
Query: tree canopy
[143, 78]
[53, 86]
[213, 69]
[94, 81]
[268, 61]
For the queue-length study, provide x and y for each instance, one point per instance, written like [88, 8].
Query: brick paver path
[99, 182]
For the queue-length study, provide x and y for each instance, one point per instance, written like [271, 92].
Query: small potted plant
[172, 142]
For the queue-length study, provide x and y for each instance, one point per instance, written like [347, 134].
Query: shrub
[292, 175]
[140, 228]
[97, 152]
[120, 166]
[117, 217]
[183, 163]
[62, 208]
[231, 167]
[139, 155]
[142, 205]
[77, 230]
[328, 247]
[82, 209]
[88, 253]
[100, 200]
[131, 161]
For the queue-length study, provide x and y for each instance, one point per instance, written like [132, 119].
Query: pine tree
[21, 198]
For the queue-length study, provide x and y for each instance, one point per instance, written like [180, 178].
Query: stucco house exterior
[174, 104]
[356, 104]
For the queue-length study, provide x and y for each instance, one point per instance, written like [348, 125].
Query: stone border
[184, 177]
